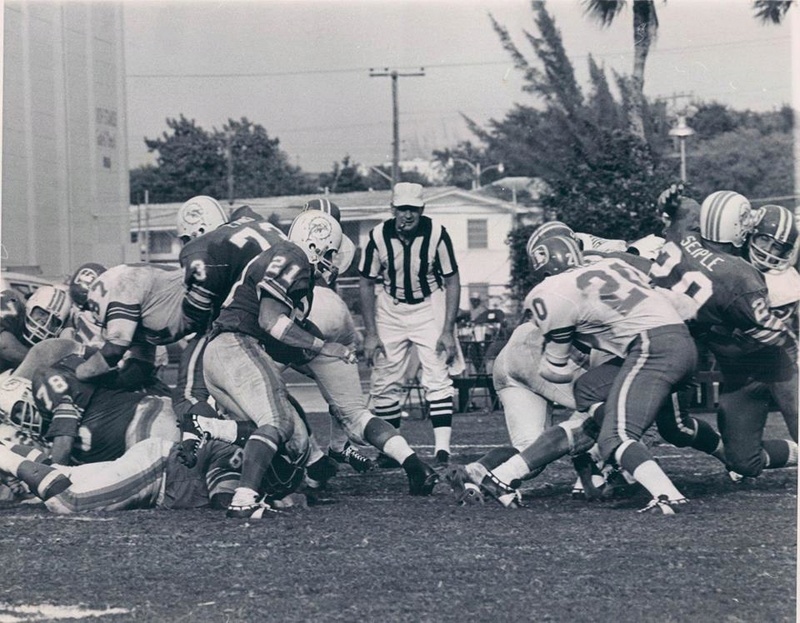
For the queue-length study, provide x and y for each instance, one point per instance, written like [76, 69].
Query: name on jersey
[707, 258]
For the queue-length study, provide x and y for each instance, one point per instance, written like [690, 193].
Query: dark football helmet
[772, 244]
[554, 255]
[548, 230]
[82, 279]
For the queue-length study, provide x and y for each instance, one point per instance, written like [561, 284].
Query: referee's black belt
[397, 300]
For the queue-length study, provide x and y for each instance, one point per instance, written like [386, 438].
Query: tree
[189, 162]
[344, 178]
[259, 168]
[238, 161]
[645, 28]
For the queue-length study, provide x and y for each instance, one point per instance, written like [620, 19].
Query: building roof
[354, 206]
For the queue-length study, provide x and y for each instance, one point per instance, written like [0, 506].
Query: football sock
[389, 413]
[398, 449]
[441, 438]
[707, 440]
[552, 444]
[258, 453]
[497, 456]
[441, 413]
[43, 480]
[780, 453]
[513, 469]
[634, 457]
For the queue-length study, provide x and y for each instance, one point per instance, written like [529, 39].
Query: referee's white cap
[407, 194]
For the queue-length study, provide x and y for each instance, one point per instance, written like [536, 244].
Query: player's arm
[198, 300]
[273, 317]
[61, 449]
[12, 349]
[556, 364]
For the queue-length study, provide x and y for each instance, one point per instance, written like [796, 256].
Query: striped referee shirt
[410, 271]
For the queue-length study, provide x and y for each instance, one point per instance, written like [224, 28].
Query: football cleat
[423, 482]
[256, 510]
[662, 505]
[465, 491]
[247, 505]
[442, 457]
[507, 495]
[353, 458]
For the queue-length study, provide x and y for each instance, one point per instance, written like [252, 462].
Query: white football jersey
[139, 302]
[607, 304]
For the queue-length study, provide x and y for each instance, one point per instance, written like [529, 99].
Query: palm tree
[645, 28]
[771, 11]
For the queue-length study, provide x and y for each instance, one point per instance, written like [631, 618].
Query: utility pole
[394, 75]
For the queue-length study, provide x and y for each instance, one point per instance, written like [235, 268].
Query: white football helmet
[17, 406]
[46, 313]
[199, 216]
[727, 216]
[319, 235]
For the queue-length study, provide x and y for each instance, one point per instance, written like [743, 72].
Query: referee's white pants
[401, 326]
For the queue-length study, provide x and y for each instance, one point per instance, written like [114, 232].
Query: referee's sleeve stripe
[367, 259]
[447, 257]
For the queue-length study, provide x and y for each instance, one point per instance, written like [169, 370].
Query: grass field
[376, 554]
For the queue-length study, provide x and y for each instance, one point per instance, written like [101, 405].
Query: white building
[478, 226]
[65, 170]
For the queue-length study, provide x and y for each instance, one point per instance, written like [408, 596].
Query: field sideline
[373, 553]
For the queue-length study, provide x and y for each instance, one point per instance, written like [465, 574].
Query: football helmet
[772, 244]
[198, 216]
[82, 280]
[17, 406]
[319, 235]
[324, 205]
[547, 230]
[554, 255]
[46, 313]
[726, 216]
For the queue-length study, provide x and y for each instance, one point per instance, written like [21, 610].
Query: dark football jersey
[729, 294]
[12, 319]
[96, 416]
[283, 273]
[213, 262]
[216, 471]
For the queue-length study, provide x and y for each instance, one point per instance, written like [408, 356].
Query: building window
[477, 234]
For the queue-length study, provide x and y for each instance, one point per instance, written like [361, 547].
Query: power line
[466, 64]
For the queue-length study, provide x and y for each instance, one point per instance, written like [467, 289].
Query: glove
[670, 199]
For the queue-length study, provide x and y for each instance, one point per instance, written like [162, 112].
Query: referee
[416, 304]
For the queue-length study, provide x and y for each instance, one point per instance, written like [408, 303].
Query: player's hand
[339, 351]
[670, 199]
[187, 453]
[373, 346]
[447, 344]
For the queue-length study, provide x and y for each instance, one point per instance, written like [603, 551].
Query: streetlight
[477, 171]
[682, 131]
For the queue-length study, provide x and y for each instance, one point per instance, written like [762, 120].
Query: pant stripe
[622, 403]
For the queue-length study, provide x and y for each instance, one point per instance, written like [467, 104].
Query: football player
[137, 306]
[753, 347]
[85, 422]
[214, 254]
[13, 346]
[608, 306]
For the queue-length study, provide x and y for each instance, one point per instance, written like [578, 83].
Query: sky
[301, 69]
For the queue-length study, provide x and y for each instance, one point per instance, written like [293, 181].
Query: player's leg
[656, 362]
[682, 430]
[25, 464]
[245, 381]
[153, 417]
